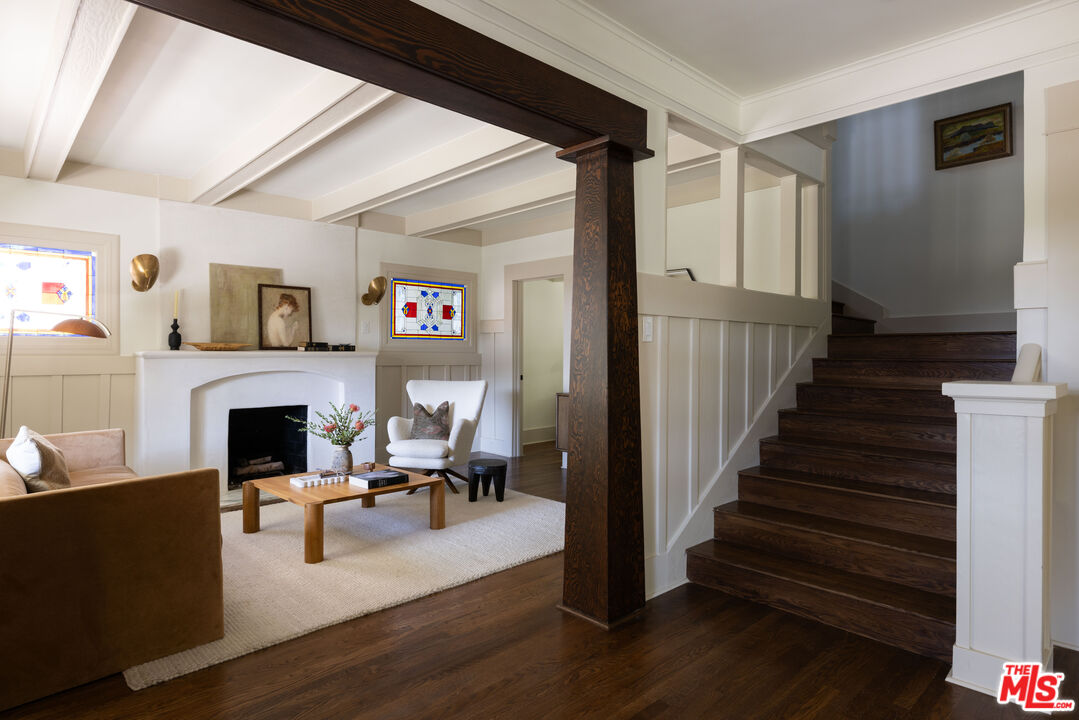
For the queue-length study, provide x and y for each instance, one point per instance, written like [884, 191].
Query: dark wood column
[604, 558]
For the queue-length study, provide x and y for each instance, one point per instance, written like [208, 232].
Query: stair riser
[888, 512]
[883, 432]
[926, 374]
[886, 471]
[973, 346]
[837, 308]
[851, 554]
[889, 625]
[884, 401]
[848, 325]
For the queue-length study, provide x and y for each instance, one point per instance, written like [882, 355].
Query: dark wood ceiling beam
[407, 48]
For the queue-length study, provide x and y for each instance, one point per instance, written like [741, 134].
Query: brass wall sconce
[144, 269]
[375, 291]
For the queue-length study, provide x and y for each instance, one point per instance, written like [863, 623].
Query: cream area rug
[375, 558]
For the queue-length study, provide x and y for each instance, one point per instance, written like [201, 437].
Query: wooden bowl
[218, 345]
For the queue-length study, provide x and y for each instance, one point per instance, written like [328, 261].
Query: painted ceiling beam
[539, 192]
[324, 106]
[536, 193]
[479, 150]
[88, 34]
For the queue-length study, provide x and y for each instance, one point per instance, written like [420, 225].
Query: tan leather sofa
[109, 573]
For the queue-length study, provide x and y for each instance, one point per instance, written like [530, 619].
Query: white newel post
[1003, 510]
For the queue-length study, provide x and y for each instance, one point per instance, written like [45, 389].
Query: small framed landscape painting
[284, 316]
[973, 137]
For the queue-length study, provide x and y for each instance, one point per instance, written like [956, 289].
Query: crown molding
[1007, 43]
[555, 31]
[581, 40]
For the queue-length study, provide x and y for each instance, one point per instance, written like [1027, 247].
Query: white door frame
[515, 275]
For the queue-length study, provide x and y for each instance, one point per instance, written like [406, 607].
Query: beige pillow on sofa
[40, 463]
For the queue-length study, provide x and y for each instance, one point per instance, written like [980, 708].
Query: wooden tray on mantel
[217, 345]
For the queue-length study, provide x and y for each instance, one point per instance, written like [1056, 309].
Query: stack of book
[378, 479]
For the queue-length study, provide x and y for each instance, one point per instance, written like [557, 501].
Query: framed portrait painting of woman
[284, 316]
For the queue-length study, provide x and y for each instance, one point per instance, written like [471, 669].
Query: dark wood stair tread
[894, 492]
[857, 451]
[933, 606]
[855, 384]
[922, 420]
[920, 544]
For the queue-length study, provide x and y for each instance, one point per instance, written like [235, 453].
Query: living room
[489, 214]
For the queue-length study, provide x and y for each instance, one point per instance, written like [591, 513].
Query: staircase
[850, 517]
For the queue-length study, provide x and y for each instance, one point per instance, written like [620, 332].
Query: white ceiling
[26, 27]
[751, 47]
[166, 107]
[393, 132]
[219, 117]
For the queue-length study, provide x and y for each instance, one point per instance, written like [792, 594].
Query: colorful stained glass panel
[428, 310]
[40, 282]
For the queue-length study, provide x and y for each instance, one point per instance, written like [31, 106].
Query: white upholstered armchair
[437, 457]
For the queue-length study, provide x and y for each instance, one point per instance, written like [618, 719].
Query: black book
[379, 479]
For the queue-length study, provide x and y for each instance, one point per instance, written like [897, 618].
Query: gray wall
[918, 241]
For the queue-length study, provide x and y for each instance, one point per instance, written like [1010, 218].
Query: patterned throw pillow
[40, 463]
[431, 426]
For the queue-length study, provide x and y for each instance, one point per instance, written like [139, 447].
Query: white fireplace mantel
[182, 399]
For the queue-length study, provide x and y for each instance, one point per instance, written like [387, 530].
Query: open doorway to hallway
[542, 370]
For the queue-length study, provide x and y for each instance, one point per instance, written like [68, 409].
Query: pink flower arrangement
[343, 425]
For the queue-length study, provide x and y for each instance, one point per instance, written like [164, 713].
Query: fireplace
[263, 442]
[183, 399]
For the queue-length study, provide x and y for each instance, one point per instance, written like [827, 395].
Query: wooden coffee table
[314, 498]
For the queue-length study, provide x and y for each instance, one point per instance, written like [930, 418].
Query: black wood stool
[487, 470]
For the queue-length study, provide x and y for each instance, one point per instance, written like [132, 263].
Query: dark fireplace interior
[263, 442]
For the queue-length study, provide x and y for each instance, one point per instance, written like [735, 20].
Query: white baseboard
[537, 435]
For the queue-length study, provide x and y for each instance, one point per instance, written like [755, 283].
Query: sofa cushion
[108, 473]
[420, 448]
[431, 426]
[40, 463]
[11, 484]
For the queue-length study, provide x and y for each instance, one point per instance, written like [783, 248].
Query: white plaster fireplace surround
[182, 401]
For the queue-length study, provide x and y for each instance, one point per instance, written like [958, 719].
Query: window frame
[107, 249]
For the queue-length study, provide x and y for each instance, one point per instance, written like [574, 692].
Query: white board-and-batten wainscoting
[69, 393]
[720, 364]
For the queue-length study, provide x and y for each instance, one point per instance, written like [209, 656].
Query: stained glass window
[42, 284]
[427, 310]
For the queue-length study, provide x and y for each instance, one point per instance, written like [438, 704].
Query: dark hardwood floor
[498, 648]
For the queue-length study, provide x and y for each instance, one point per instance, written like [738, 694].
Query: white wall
[762, 240]
[68, 393]
[315, 255]
[133, 218]
[374, 248]
[693, 239]
[542, 361]
[918, 241]
[1061, 141]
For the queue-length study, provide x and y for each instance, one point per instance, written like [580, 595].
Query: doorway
[544, 371]
[532, 301]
